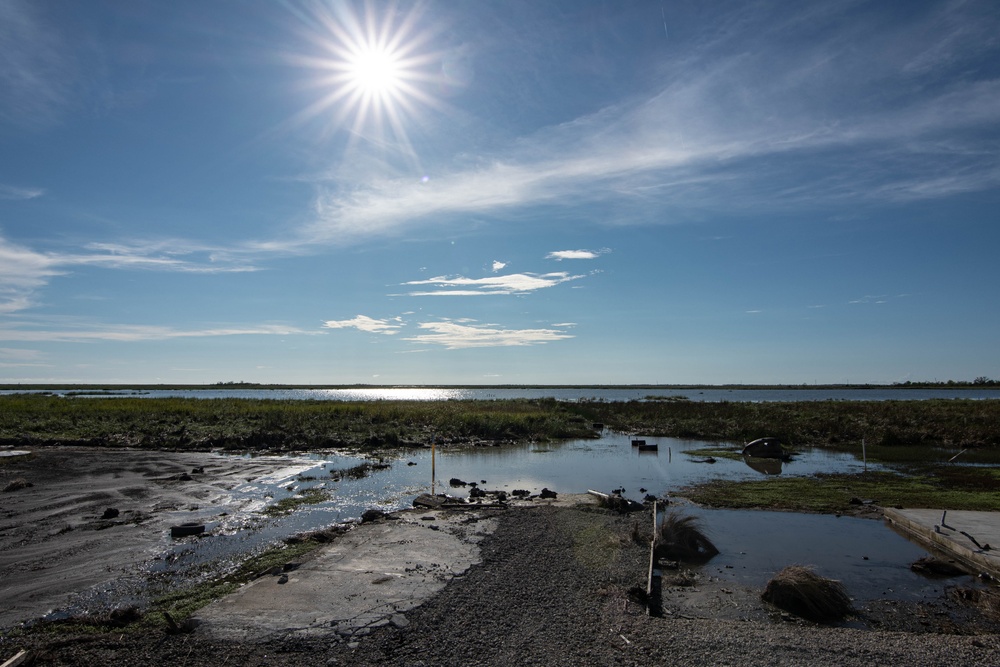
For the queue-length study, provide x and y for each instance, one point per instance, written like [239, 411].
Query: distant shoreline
[253, 385]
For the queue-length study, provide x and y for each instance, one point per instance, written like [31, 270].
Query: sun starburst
[374, 70]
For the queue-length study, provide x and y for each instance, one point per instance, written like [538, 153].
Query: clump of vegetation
[799, 590]
[312, 496]
[680, 537]
[17, 484]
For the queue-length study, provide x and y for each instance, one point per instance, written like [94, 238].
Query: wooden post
[652, 564]
[433, 438]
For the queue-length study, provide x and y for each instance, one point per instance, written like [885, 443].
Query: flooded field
[871, 559]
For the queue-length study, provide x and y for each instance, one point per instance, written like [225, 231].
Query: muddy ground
[57, 537]
[554, 586]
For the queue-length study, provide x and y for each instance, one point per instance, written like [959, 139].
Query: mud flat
[58, 537]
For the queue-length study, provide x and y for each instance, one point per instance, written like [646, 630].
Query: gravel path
[552, 589]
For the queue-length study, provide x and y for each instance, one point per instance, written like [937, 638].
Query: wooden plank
[18, 659]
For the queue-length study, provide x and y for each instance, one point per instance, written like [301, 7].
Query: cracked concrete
[366, 579]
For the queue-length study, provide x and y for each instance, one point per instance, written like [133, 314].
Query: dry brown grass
[680, 537]
[800, 591]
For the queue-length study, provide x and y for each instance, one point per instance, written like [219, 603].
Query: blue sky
[499, 192]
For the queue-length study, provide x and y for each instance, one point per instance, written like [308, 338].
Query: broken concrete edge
[973, 560]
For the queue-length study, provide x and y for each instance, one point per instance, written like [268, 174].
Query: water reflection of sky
[754, 544]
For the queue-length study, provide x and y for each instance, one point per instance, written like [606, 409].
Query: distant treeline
[909, 384]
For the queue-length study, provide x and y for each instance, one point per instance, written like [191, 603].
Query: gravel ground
[553, 589]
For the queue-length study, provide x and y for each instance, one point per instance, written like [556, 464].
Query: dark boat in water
[766, 448]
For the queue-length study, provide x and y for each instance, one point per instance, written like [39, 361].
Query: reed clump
[797, 589]
[680, 537]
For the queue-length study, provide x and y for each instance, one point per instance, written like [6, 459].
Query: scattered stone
[399, 621]
[372, 515]
[456, 482]
[110, 513]
[283, 579]
[427, 500]
[184, 477]
[935, 567]
[546, 494]
[476, 492]
[428, 518]
[200, 470]
[520, 493]
[411, 463]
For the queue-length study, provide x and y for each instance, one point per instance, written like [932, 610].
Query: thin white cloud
[874, 111]
[515, 283]
[497, 265]
[365, 323]
[457, 336]
[16, 192]
[24, 271]
[136, 333]
[35, 73]
[560, 255]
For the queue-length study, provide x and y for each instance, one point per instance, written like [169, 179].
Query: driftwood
[18, 659]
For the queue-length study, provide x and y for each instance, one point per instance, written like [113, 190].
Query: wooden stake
[652, 563]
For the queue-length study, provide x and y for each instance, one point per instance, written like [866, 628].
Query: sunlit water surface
[871, 559]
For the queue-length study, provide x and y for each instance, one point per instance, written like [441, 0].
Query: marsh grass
[970, 489]
[949, 424]
[247, 424]
[681, 537]
[799, 590]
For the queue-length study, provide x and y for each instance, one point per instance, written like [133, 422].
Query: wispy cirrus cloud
[16, 192]
[458, 335]
[389, 326]
[873, 109]
[24, 271]
[514, 283]
[36, 74]
[67, 332]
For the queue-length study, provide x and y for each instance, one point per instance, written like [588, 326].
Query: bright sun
[375, 72]
[374, 67]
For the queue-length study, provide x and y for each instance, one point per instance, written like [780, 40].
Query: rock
[427, 500]
[476, 492]
[520, 493]
[186, 529]
[283, 579]
[547, 494]
[456, 482]
[110, 513]
[372, 515]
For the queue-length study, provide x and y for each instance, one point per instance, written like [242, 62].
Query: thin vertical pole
[864, 454]
[433, 471]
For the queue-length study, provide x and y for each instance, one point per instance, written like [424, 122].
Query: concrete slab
[365, 579]
[955, 533]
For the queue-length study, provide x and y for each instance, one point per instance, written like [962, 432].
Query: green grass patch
[312, 496]
[972, 489]
[715, 452]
